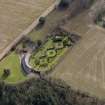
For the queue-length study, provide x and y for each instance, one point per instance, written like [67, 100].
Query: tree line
[44, 92]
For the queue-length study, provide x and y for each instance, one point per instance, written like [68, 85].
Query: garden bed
[48, 55]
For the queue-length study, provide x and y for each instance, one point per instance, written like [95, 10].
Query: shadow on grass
[4, 77]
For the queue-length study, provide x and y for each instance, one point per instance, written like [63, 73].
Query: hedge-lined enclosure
[51, 51]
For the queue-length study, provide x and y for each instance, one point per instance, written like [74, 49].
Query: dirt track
[84, 66]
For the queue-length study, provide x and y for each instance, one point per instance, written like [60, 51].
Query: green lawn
[12, 62]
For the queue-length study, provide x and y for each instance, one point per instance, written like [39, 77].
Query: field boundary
[28, 30]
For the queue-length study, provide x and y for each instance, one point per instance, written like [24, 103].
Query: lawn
[12, 62]
[50, 53]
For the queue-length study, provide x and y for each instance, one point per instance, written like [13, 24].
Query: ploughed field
[17, 15]
[84, 66]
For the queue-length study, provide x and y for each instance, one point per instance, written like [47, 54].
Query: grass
[48, 55]
[12, 62]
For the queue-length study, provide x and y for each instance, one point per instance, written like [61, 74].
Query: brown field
[83, 67]
[17, 15]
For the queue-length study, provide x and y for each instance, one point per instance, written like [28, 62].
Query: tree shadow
[39, 26]
[3, 77]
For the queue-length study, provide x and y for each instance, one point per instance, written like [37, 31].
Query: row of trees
[44, 92]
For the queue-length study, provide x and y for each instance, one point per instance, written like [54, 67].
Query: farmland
[83, 67]
[16, 16]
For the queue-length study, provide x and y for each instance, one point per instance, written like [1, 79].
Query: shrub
[6, 72]
[64, 3]
[42, 20]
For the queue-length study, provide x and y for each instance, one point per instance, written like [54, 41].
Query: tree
[6, 72]
[39, 43]
[42, 20]
[1, 88]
